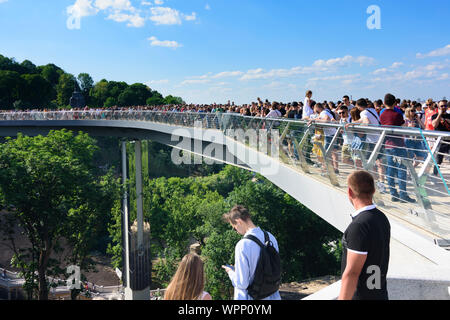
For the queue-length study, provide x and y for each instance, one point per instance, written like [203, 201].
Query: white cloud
[81, 8]
[431, 72]
[134, 20]
[195, 81]
[124, 11]
[152, 83]
[207, 7]
[392, 68]
[192, 17]
[227, 74]
[3, 1]
[118, 5]
[166, 43]
[317, 67]
[436, 53]
[165, 16]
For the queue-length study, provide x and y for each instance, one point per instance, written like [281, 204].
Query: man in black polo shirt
[365, 257]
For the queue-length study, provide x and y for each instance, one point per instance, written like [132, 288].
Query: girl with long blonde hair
[189, 281]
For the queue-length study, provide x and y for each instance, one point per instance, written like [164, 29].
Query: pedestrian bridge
[296, 157]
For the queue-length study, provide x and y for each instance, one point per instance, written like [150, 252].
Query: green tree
[11, 88]
[55, 195]
[38, 92]
[86, 84]
[99, 93]
[134, 95]
[29, 67]
[66, 85]
[110, 102]
[173, 100]
[51, 73]
[155, 100]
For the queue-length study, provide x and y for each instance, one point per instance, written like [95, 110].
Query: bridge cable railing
[410, 183]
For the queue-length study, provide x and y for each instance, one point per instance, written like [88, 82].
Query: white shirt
[374, 120]
[274, 114]
[327, 131]
[366, 208]
[246, 258]
[345, 136]
[307, 110]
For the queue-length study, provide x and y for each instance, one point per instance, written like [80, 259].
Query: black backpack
[267, 278]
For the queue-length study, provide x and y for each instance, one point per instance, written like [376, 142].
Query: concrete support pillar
[136, 277]
[139, 203]
[125, 222]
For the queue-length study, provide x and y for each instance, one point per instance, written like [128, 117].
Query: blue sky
[215, 50]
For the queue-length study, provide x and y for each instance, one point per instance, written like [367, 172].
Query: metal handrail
[367, 128]
[299, 148]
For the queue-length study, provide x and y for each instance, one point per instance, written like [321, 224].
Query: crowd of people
[352, 146]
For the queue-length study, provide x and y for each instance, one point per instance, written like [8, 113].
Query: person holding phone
[246, 253]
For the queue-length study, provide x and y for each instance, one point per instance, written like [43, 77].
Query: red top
[392, 118]
[428, 115]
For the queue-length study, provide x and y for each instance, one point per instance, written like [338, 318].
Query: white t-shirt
[345, 135]
[374, 120]
[274, 114]
[322, 116]
[350, 107]
[307, 110]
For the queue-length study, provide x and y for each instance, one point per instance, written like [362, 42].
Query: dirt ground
[300, 290]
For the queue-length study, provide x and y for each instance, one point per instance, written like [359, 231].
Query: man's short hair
[237, 212]
[362, 184]
[362, 103]
[389, 100]
[346, 97]
[319, 105]
[343, 108]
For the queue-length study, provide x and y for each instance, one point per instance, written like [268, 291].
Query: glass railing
[404, 161]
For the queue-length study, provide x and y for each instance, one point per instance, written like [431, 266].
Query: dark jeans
[396, 170]
[445, 148]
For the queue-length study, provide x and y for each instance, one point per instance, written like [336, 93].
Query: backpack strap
[255, 239]
[376, 117]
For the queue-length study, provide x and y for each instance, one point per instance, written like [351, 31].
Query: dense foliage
[25, 85]
[57, 198]
[182, 211]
